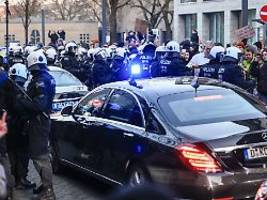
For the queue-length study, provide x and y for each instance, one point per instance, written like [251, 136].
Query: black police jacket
[118, 69]
[101, 72]
[170, 67]
[210, 70]
[70, 63]
[41, 90]
[232, 73]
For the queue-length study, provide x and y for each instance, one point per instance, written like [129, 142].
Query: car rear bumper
[238, 185]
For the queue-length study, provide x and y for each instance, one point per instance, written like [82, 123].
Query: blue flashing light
[136, 69]
[138, 149]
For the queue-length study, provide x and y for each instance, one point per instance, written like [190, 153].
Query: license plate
[60, 105]
[255, 153]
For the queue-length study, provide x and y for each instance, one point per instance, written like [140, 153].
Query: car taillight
[198, 159]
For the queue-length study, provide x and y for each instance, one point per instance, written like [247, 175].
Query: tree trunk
[113, 24]
[168, 26]
[26, 34]
[26, 26]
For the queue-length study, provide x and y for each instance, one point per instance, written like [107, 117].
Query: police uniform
[118, 69]
[101, 72]
[41, 90]
[70, 63]
[18, 142]
[210, 70]
[232, 73]
[170, 67]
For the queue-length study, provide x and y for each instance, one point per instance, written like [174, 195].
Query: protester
[53, 36]
[247, 62]
[62, 34]
[201, 58]
[259, 71]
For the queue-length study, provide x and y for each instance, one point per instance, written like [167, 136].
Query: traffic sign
[263, 13]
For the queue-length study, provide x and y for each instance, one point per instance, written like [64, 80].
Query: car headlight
[135, 69]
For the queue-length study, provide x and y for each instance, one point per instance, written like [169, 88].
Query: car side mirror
[67, 111]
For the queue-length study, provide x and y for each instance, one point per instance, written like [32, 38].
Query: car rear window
[64, 79]
[208, 106]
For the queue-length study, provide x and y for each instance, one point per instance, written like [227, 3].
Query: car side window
[154, 126]
[123, 107]
[92, 104]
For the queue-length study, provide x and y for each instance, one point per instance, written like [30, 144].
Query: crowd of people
[26, 114]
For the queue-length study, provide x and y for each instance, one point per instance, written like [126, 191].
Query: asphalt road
[70, 185]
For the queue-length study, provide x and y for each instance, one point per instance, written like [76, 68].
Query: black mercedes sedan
[203, 139]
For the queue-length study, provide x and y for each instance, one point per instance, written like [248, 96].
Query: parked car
[69, 89]
[204, 139]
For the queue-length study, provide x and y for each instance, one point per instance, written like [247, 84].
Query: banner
[244, 33]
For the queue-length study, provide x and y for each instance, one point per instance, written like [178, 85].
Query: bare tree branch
[154, 11]
[25, 9]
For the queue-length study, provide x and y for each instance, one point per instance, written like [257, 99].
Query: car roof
[158, 87]
[54, 68]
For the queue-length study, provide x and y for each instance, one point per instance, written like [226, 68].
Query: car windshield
[64, 79]
[208, 106]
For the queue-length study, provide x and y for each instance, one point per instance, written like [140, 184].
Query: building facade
[215, 20]
[80, 31]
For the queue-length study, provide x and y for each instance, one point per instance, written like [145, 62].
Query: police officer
[231, 72]
[159, 55]
[171, 64]
[88, 63]
[17, 56]
[210, 70]
[84, 64]
[101, 72]
[119, 66]
[69, 61]
[41, 90]
[17, 139]
[51, 55]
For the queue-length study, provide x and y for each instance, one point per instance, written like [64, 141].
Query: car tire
[54, 159]
[138, 175]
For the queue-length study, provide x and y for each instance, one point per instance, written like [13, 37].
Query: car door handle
[128, 134]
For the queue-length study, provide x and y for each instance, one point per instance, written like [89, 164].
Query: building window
[216, 27]
[190, 23]
[251, 16]
[11, 38]
[85, 38]
[35, 37]
[187, 1]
